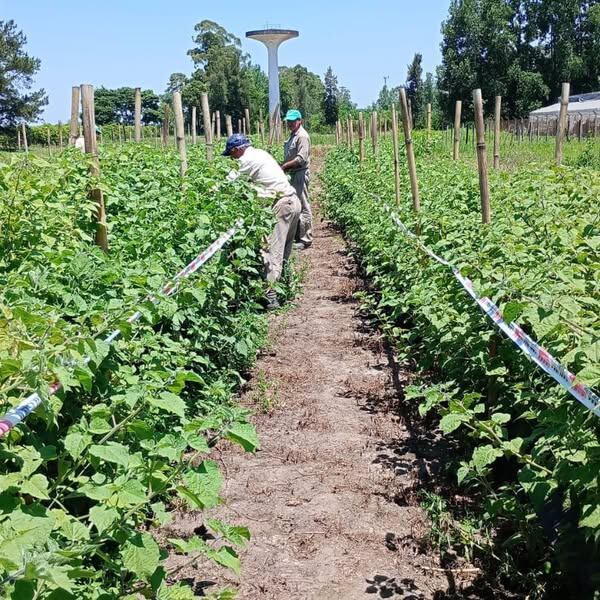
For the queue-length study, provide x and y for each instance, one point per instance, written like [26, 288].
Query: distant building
[579, 105]
[584, 108]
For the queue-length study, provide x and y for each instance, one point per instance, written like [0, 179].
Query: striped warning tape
[20, 412]
[539, 355]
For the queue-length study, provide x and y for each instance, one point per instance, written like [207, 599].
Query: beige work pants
[300, 181]
[287, 213]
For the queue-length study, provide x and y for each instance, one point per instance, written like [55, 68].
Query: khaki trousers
[300, 181]
[287, 213]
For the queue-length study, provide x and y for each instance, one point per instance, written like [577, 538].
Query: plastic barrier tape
[539, 355]
[20, 412]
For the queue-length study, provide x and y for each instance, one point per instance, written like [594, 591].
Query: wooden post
[218, 118]
[207, 128]
[579, 129]
[164, 130]
[484, 191]
[60, 135]
[48, 139]
[194, 126]
[497, 112]
[74, 126]
[456, 149]
[228, 125]
[361, 137]
[239, 126]
[410, 154]
[180, 132]
[213, 126]
[374, 131]
[248, 126]
[262, 126]
[396, 154]
[24, 136]
[89, 135]
[19, 139]
[137, 115]
[562, 120]
[428, 120]
[351, 133]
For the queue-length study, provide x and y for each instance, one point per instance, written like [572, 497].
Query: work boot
[301, 246]
[272, 302]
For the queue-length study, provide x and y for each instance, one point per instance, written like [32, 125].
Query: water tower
[272, 39]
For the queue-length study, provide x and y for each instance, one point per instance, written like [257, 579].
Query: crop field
[523, 475]
[91, 471]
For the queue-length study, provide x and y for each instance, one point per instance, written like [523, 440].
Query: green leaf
[203, 484]
[141, 555]
[111, 452]
[513, 310]
[76, 443]
[245, 435]
[234, 534]
[227, 557]
[103, 517]
[452, 421]
[169, 402]
[500, 418]
[484, 456]
[36, 486]
[590, 517]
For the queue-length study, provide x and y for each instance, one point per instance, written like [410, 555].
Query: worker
[270, 182]
[297, 163]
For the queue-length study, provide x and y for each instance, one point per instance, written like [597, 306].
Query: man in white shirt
[270, 181]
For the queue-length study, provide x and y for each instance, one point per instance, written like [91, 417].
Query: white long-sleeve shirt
[263, 172]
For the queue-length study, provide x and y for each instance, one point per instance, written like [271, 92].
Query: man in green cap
[297, 163]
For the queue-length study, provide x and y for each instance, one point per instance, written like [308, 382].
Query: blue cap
[235, 141]
[293, 115]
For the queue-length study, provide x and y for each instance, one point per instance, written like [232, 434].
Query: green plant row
[529, 453]
[88, 478]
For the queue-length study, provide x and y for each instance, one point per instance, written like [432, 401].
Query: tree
[414, 87]
[304, 90]
[17, 100]
[331, 98]
[386, 98]
[118, 106]
[346, 107]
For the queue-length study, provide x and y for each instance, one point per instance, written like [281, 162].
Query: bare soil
[330, 497]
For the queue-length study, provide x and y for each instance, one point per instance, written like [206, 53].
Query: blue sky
[141, 42]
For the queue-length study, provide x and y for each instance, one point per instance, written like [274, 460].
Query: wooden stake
[248, 126]
[137, 115]
[228, 125]
[180, 132]
[579, 129]
[396, 154]
[497, 112]
[24, 136]
[374, 131]
[60, 135]
[213, 126]
[410, 154]
[351, 133]
[562, 120]
[218, 118]
[194, 126]
[262, 126]
[19, 139]
[484, 191]
[48, 139]
[89, 135]
[361, 137]
[207, 128]
[74, 126]
[456, 149]
[428, 120]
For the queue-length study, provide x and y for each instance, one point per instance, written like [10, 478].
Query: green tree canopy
[304, 90]
[17, 99]
[331, 98]
[414, 88]
[118, 106]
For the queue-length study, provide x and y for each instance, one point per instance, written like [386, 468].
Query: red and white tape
[20, 412]
[539, 355]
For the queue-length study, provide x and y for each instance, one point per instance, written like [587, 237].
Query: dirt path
[325, 498]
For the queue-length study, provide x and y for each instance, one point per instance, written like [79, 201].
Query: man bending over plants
[262, 170]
